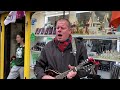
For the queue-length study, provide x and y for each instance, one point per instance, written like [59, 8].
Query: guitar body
[52, 73]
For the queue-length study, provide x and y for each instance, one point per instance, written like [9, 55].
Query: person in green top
[18, 67]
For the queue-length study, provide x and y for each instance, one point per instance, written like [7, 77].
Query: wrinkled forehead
[62, 22]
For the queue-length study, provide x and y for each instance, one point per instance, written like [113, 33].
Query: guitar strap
[74, 50]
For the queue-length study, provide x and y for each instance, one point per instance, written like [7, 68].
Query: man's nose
[59, 30]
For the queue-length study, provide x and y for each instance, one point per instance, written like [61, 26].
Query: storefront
[93, 26]
[4, 63]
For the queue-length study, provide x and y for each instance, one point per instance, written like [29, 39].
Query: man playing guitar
[57, 54]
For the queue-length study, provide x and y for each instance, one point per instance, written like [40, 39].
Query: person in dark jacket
[57, 54]
[18, 69]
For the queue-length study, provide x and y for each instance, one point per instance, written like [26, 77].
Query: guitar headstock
[87, 63]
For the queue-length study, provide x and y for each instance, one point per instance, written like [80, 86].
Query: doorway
[10, 42]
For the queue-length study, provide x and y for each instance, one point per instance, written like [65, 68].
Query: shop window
[101, 15]
[83, 16]
[53, 16]
[92, 22]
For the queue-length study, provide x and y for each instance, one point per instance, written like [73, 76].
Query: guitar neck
[64, 74]
[84, 65]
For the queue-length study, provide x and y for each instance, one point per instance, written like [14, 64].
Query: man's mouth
[60, 35]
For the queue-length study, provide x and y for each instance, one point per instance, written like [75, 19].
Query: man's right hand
[47, 77]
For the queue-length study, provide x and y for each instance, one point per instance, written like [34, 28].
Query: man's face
[62, 30]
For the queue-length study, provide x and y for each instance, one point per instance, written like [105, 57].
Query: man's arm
[41, 64]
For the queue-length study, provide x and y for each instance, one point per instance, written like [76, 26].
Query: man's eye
[57, 28]
[62, 28]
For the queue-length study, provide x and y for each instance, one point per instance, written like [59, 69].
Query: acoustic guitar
[86, 65]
